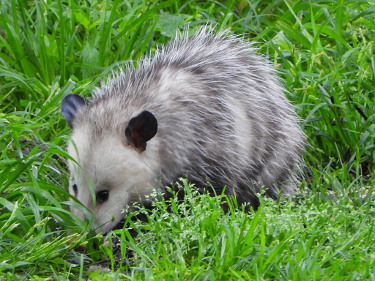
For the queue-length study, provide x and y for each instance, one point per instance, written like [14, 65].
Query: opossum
[205, 107]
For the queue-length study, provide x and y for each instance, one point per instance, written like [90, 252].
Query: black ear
[141, 129]
[70, 106]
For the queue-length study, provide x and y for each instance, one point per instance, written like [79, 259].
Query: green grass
[324, 52]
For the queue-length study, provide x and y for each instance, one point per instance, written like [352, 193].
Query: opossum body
[207, 108]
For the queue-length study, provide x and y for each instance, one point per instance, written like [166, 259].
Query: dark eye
[102, 196]
[75, 189]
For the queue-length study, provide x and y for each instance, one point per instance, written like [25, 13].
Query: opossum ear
[141, 129]
[70, 106]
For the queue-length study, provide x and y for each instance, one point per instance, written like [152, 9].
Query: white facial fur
[114, 166]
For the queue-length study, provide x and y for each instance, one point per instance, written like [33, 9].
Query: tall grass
[324, 52]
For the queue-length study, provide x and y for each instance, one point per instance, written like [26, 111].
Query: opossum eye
[102, 196]
[75, 189]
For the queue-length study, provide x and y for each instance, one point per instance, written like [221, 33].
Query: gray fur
[222, 116]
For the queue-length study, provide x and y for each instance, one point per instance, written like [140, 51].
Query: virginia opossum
[207, 108]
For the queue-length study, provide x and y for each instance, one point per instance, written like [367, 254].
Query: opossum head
[110, 170]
